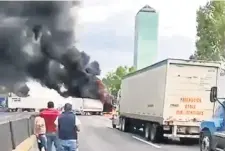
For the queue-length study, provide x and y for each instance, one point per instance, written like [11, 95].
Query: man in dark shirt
[50, 114]
[68, 126]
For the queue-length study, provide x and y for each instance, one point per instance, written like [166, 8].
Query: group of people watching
[59, 128]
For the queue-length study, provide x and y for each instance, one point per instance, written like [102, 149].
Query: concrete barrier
[17, 133]
[29, 144]
[20, 130]
[5, 137]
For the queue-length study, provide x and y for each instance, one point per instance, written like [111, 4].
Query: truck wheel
[19, 110]
[32, 110]
[156, 133]
[147, 131]
[205, 141]
[124, 125]
[114, 125]
[120, 124]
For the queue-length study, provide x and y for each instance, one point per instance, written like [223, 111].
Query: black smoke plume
[37, 41]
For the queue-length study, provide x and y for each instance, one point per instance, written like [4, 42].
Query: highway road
[97, 135]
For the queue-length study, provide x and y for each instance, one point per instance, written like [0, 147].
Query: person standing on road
[68, 128]
[50, 114]
[39, 131]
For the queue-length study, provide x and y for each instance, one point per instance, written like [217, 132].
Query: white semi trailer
[31, 104]
[87, 106]
[77, 105]
[92, 106]
[168, 99]
[28, 104]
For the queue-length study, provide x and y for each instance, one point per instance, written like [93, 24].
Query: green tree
[112, 80]
[210, 41]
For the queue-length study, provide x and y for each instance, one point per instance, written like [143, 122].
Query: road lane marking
[144, 141]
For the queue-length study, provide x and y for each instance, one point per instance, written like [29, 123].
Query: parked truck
[15, 103]
[92, 106]
[77, 105]
[3, 104]
[168, 99]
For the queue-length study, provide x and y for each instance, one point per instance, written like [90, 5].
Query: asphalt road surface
[97, 135]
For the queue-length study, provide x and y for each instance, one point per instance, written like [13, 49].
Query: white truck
[32, 104]
[168, 99]
[92, 106]
[15, 103]
[77, 105]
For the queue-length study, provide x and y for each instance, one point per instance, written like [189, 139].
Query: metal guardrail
[15, 129]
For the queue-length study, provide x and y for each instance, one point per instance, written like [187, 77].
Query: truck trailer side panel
[167, 99]
[143, 94]
[77, 104]
[92, 105]
[187, 93]
[33, 103]
[28, 103]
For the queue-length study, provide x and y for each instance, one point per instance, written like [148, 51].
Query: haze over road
[97, 135]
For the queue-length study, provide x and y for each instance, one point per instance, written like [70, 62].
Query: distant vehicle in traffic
[15, 103]
[92, 106]
[77, 105]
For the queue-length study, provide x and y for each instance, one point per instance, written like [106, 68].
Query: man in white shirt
[68, 127]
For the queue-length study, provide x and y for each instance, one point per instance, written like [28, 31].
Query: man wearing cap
[68, 127]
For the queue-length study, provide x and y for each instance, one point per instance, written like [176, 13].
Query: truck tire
[31, 110]
[156, 133]
[124, 125]
[114, 125]
[205, 141]
[147, 131]
[120, 124]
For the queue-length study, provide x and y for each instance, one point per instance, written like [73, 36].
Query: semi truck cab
[212, 136]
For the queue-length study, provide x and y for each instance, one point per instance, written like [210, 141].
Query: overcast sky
[106, 30]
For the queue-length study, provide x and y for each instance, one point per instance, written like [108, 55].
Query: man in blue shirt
[68, 126]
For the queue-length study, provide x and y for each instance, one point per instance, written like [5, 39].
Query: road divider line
[144, 141]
